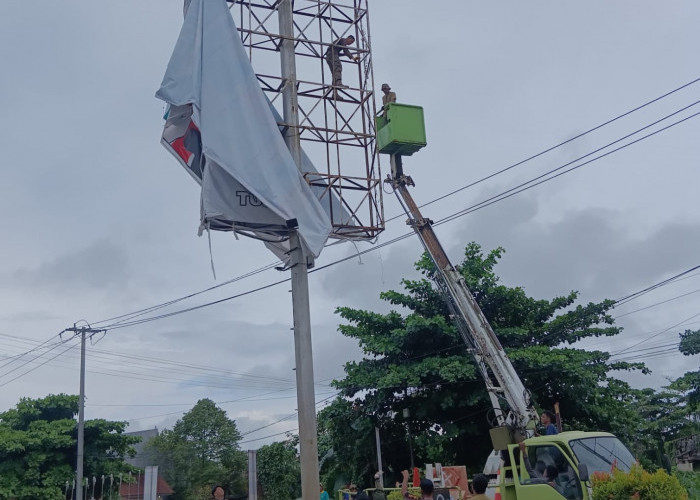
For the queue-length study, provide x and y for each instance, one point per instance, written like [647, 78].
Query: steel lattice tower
[336, 127]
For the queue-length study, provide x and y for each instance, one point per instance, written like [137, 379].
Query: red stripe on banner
[179, 145]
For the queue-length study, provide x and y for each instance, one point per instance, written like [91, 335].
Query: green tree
[279, 471]
[690, 382]
[38, 447]
[200, 451]
[417, 361]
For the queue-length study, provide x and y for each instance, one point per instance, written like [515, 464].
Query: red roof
[135, 491]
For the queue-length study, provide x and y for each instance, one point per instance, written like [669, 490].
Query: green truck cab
[576, 457]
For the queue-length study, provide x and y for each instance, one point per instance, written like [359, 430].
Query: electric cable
[21, 355]
[478, 206]
[657, 304]
[657, 334]
[546, 177]
[648, 289]
[618, 117]
[271, 266]
[185, 297]
[38, 366]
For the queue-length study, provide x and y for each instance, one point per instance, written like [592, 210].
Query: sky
[99, 220]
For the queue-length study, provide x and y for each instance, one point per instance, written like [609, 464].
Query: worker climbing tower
[286, 41]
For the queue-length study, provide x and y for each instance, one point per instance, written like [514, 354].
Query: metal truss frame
[336, 126]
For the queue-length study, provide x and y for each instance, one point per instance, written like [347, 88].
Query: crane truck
[575, 455]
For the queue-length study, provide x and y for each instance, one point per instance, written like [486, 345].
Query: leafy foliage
[200, 451]
[665, 417]
[690, 382]
[691, 482]
[279, 470]
[38, 447]
[417, 361]
[638, 485]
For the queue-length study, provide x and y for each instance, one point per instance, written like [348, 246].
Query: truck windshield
[603, 453]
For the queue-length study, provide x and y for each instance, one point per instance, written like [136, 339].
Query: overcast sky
[99, 220]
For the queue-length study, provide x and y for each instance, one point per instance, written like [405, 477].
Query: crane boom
[502, 381]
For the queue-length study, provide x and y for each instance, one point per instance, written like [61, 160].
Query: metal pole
[308, 447]
[252, 475]
[81, 419]
[380, 480]
[410, 445]
[289, 75]
[306, 399]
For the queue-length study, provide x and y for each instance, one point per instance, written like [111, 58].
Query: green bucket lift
[400, 130]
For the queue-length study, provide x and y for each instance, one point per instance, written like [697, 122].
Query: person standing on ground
[426, 487]
[332, 57]
[378, 493]
[479, 485]
[548, 418]
[324, 494]
[217, 493]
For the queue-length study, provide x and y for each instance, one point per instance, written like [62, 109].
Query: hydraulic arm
[502, 382]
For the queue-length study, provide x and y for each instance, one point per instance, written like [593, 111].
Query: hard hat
[385, 86]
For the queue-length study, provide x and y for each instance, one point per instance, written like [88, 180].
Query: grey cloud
[29, 316]
[595, 251]
[102, 264]
[356, 284]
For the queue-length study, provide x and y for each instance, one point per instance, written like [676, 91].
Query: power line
[648, 289]
[618, 117]
[163, 366]
[21, 355]
[483, 204]
[657, 303]
[546, 177]
[38, 366]
[657, 334]
[194, 308]
[132, 315]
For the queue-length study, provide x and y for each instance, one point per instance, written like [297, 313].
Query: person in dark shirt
[548, 418]
[479, 484]
[332, 57]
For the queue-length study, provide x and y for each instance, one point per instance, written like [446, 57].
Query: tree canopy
[416, 360]
[38, 447]
[279, 471]
[200, 451]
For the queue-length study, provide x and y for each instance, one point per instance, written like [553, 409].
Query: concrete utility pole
[252, 475]
[380, 479]
[306, 399]
[83, 332]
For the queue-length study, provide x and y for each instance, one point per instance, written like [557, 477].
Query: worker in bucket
[388, 96]
[340, 46]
